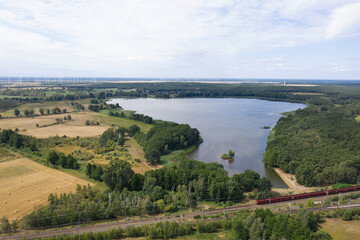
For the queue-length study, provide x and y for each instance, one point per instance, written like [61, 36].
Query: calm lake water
[224, 123]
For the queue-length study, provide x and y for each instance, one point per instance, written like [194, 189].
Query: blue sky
[302, 39]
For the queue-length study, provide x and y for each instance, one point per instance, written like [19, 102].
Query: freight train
[307, 195]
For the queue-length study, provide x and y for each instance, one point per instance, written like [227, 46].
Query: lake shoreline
[290, 180]
[224, 123]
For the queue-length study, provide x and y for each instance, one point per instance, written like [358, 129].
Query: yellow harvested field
[342, 230]
[25, 184]
[72, 128]
[137, 152]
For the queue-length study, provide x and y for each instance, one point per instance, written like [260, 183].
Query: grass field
[124, 122]
[25, 184]
[342, 230]
[126, 112]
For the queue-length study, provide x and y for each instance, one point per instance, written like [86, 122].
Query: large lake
[224, 123]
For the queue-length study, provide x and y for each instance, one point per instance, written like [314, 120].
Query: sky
[290, 39]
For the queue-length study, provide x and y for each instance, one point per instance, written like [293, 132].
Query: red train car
[307, 195]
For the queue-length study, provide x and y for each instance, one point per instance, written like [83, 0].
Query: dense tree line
[102, 91]
[31, 112]
[85, 204]
[263, 224]
[265, 91]
[345, 214]
[160, 191]
[99, 107]
[60, 159]
[319, 144]
[94, 171]
[8, 104]
[206, 181]
[117, 114]
[141, 118]
[258, 224]
[23, 92]
[166, 137]
[134, 116]
[16, 140]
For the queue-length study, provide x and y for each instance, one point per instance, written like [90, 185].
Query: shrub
[347, 216]
[208, 227]
[52, 157]
[341, 185]
[5, 225]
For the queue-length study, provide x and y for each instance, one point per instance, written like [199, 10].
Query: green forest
[166, 137]
[164, 190]
[319, 144]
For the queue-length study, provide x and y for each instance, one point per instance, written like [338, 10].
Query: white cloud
[345, 20]
[139, 37]
[272, 60]
[337, 67]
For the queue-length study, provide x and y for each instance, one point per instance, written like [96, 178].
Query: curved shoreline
[290, 180]
[157, 108]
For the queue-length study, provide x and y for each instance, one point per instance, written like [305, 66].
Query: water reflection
[224, 123]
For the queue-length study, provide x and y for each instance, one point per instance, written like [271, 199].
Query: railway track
[101, 227]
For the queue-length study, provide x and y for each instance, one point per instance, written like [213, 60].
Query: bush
[347, 216]
[341, 185]
[170, 208]
[157, 193]
[5, 225]
[133, 129]
[208, 227]
[310, 203]
[52, 157]
[149, 207]
[132, 231]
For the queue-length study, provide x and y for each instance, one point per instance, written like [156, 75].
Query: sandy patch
[293, 185]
